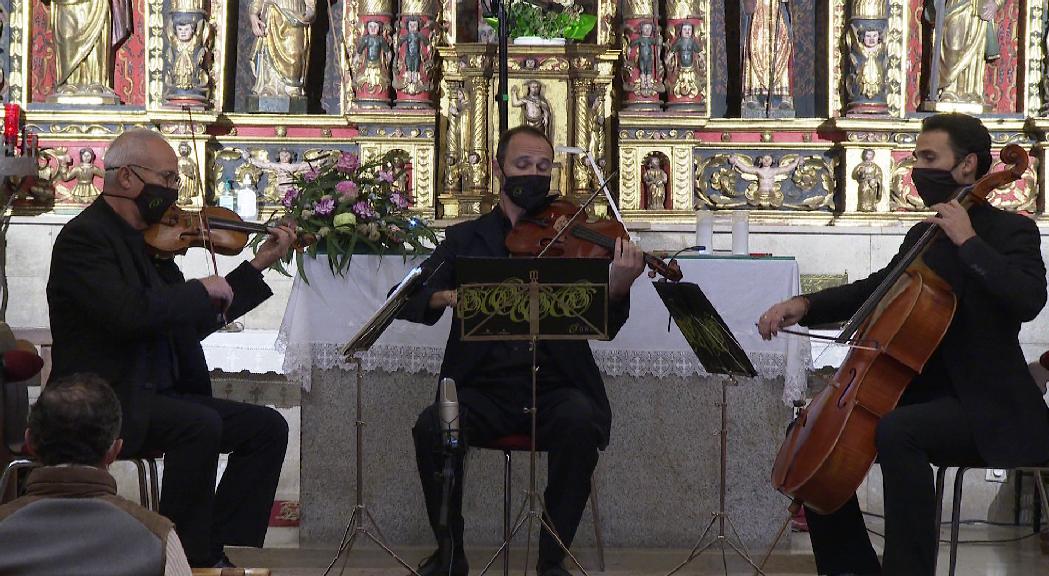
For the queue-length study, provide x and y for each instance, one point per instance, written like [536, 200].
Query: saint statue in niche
[767, 53]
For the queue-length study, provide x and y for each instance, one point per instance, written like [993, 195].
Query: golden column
[476, 177]
[582, 88]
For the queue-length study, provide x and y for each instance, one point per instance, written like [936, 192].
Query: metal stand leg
[507, 497]
[361, 517]
[721, 517]
[598, 535]
[941, 474]
[532, 510]
[956, 510]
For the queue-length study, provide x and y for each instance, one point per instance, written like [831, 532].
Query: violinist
[494, 378]
[974, 403]
[137, 322]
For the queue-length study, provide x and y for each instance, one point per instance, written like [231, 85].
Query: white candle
[740, 232]
[705, 231]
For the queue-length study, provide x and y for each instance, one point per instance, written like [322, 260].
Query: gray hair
[129, 148]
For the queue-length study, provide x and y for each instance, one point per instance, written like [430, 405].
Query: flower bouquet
[352, 208]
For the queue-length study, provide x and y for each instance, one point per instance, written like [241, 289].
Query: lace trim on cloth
[301, 360]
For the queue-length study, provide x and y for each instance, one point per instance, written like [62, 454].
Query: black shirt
[506, 369]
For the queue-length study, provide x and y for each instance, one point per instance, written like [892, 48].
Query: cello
[830, 447]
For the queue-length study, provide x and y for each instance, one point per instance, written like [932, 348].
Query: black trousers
[566, 429]
[909, 439]
[192, 431]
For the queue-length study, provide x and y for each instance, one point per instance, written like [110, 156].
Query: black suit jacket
[999, 278]
[485, 237]
[108, 311]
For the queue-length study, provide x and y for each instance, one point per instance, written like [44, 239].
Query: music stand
[360, 343]
[532, 299]
[720, 353]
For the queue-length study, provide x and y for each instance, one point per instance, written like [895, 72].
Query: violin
[535, 234]
[219, 229]
[831, 446]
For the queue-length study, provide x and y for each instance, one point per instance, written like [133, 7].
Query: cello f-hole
[845, 390]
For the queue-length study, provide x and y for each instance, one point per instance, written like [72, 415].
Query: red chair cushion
[513, 443]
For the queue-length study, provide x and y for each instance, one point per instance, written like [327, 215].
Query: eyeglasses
[170, 178]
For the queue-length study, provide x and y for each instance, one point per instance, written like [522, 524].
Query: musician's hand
[444, 299]
[954, 220]
[219, 290]
[627, 265]
[786, 313]
[275, 247]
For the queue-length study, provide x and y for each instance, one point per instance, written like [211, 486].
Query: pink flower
[347, 163]
[312, 175]
[386, 176]
[289, 197]
[399, 200]
[348, 189]
[324, 206]
[364, 210]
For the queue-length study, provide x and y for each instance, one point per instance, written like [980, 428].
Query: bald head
[139, 146]
[136, 158]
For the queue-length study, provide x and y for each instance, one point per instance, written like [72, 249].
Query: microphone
[448, 412]
[19, 365]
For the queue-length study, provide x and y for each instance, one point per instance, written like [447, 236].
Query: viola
[219, 229]
[830, 448]
[534, 235]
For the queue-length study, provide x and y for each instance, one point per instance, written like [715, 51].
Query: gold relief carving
[84, 173]
[837, 65]
[629, 171]
[903, 197]
[718, 191]
[479, 110]
[280, 131]
[895, 62]
[606, 22]
[639, 8]
[218, 14]
[681, 9]
[155, 52]
[581, 90]
[1036, 58]
[681, 187]
[326, 132]
[1019, 195]
[233, 131]
[376, 7]
[551, 64]
[812, 172]
[764, 178]
[766, 136]
[655, 180]
[79, 129]
[418, 7]
[16, 75]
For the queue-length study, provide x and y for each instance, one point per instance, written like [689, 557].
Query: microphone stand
[502, 97]
[453, 450]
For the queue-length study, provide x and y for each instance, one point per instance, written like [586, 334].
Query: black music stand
[532, 299]
[360, 343]
[720, 353]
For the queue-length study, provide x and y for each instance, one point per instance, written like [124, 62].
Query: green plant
[347, 205]
[530, 20]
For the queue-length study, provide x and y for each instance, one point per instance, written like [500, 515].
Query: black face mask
[934, 185]
[530, 192]
[153, 202]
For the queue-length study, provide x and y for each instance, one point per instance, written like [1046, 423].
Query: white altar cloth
[325, 313]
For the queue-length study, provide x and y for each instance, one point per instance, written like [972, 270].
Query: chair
[523, 443]
[1040, 475]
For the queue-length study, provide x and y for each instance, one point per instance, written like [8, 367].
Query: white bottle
[247, 200]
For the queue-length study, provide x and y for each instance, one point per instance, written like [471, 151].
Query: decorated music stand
[360, 343]
[720, 353]
[532, 299]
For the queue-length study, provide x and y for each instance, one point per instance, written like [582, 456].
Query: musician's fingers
[618, 249]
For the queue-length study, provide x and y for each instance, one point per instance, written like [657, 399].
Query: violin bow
[204, 223]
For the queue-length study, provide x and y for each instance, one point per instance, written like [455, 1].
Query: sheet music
[384, 316]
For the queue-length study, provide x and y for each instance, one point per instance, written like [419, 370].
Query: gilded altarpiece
[859, 76]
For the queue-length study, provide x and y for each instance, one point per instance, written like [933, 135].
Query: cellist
[975, 403]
